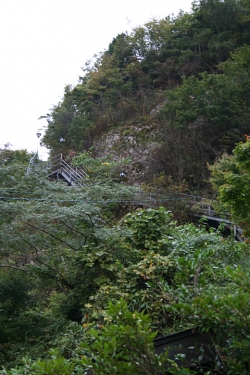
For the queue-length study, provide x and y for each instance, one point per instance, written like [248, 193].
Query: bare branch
[16, 268]
[53, 236]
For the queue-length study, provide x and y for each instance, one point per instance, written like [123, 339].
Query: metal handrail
[35, 164]
[199, 206]
[58, 165]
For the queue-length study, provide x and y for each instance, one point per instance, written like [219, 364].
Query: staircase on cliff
[58, 168]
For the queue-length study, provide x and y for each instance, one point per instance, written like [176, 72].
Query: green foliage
[124, 345]
[14, 302]
[146, 277]
[205, 114]
[67, 260]
[57, 365]
[223, 314]
[148, 227]
[48, 233]
[100, 169]
[230, 178]
[9, 157]
[213, 97]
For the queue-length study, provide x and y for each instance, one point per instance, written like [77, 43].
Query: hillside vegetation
[89, 277]
[173, 95]
[87, 282]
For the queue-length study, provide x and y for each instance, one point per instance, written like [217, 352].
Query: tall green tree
[206, 116]
[231, 178]
[8, 156]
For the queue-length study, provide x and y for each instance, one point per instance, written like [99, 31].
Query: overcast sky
[44, 44]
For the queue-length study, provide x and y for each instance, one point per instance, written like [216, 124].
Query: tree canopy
[71, 257]
[230, 178]
[186, 70]
[91, 275]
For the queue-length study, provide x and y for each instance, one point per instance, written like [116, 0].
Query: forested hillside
[173, 95]
[92, 274]
[87, 280]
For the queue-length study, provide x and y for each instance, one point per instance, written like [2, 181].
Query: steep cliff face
[135, 142]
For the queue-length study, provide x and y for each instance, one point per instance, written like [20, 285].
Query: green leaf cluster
[230, 178]
[69, 265]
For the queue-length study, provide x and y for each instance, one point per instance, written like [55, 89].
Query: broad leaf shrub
[77, 260]
[222, 312]
[231, 179]
[124, 345]
[56, 365]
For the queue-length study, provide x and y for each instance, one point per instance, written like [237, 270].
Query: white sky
[44, 44]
